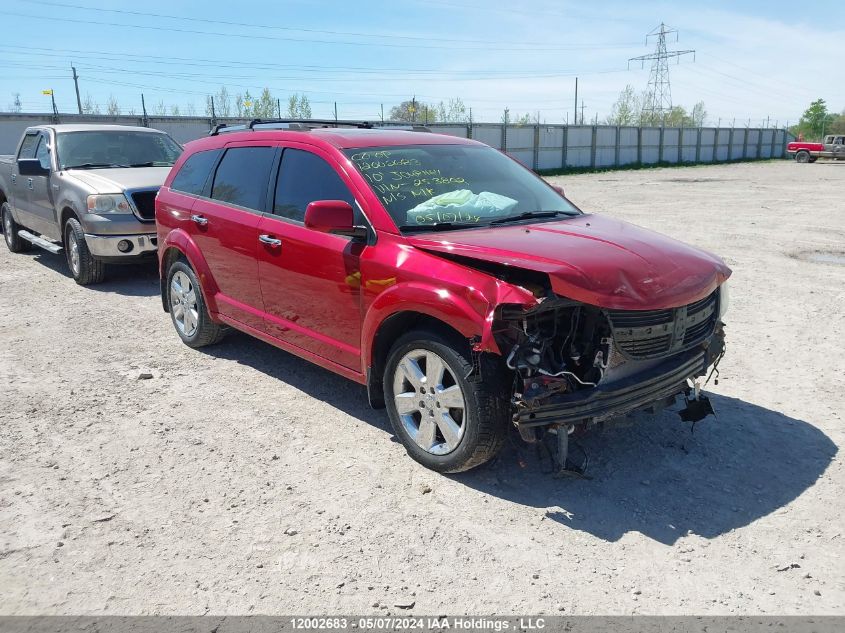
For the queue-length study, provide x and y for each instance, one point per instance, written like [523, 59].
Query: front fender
[467, 310]
[182, 242]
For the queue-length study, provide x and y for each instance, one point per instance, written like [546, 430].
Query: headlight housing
[109, 203]
[724, 298]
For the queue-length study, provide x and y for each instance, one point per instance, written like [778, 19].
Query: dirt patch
[822, 257]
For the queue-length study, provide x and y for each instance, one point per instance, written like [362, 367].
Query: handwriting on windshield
[393, 184]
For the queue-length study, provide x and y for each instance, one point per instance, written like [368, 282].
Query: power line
[529, 47]
[425, 38]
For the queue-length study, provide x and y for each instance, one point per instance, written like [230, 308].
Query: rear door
[224, 225]
[839, 147]
[311, 281]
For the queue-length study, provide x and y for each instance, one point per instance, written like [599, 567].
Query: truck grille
[644, 334]
[145, 204]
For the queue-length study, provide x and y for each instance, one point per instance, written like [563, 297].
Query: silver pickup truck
[88, 190]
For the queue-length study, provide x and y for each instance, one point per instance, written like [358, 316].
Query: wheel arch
[178, 245]
[388, 330]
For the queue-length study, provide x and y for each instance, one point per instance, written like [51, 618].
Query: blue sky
[753, 59]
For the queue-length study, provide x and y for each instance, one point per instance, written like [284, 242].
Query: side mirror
[559, 189]
[333, 216]
[31, 167]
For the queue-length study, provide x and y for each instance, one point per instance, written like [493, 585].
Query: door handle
[29, 183]
[200, 220]
[269, 240]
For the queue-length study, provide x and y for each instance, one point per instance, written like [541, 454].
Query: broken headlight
[724, 299]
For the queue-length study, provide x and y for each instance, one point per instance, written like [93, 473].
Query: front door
[41, 196]
[839, 147]
[310, 281]
[224, 226]
[24, 185]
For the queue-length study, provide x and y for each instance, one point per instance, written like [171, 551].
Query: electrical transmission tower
[658, 100]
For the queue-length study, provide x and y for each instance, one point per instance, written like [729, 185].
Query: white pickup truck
[88, 190]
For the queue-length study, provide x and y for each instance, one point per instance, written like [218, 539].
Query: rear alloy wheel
[187, 308]
[448, 417]
[14, 241]
[802, 157]
[84, 267]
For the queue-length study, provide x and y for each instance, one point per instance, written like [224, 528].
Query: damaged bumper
[656, 386]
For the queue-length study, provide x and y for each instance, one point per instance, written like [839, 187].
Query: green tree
[698, 115]
[454, 111]
[299, 107]
[815, 120]
[626, 110]
[413, 111]
[837, 125]
[265, 106]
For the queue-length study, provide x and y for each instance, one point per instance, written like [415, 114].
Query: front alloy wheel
[449, 408]
[429, 401]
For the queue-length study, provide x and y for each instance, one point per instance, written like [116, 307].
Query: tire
[802, 157]
[14, 241]
[187, 308]
[84, 267]
[813, 160]
[446, 439]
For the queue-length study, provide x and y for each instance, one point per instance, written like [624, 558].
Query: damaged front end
[577, 365]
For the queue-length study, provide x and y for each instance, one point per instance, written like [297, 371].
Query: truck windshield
[455, 186]
[108, 148]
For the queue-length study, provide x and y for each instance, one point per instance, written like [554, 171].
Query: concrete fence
[541, 147]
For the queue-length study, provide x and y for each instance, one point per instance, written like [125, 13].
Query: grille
[145, 203]
[644, 334]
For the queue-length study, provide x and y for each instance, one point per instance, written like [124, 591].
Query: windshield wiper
[530, 215]
[438, 226]
[94, 165]
[151, 163]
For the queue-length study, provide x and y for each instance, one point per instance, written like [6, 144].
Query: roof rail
[305, 124]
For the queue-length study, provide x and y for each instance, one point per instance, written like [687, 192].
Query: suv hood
[117, 179]
[593, 259]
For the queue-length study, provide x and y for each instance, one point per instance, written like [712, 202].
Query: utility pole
[213, 113]
[576, 101]
[658, 101]
[414, 109]
[279, 107]
[335, 110]
[144, 110]
[582, 112]
[76, 85]
[382, 113]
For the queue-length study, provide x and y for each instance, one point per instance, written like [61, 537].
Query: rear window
[194, 172]
[243, 175]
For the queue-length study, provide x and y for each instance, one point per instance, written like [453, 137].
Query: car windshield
[109, 148]
[455, 186]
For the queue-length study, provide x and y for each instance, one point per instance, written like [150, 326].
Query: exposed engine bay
[577, 365]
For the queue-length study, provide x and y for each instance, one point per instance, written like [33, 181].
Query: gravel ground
[240, 479]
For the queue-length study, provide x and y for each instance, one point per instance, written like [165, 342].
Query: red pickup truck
[804, 152]
[464, 291]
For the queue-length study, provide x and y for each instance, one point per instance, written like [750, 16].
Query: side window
[194, 172]
[304, 178]
[242, 176]
[43, 153]
[30, 142]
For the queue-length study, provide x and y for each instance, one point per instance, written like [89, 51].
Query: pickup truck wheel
[802, 157]
[86, 270]
[187, 308]
[447, 421]
[14, 241]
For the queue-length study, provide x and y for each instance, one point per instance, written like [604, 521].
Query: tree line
[628, 109]
[817, 121]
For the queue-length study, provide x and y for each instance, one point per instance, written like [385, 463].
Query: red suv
[465, 292]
